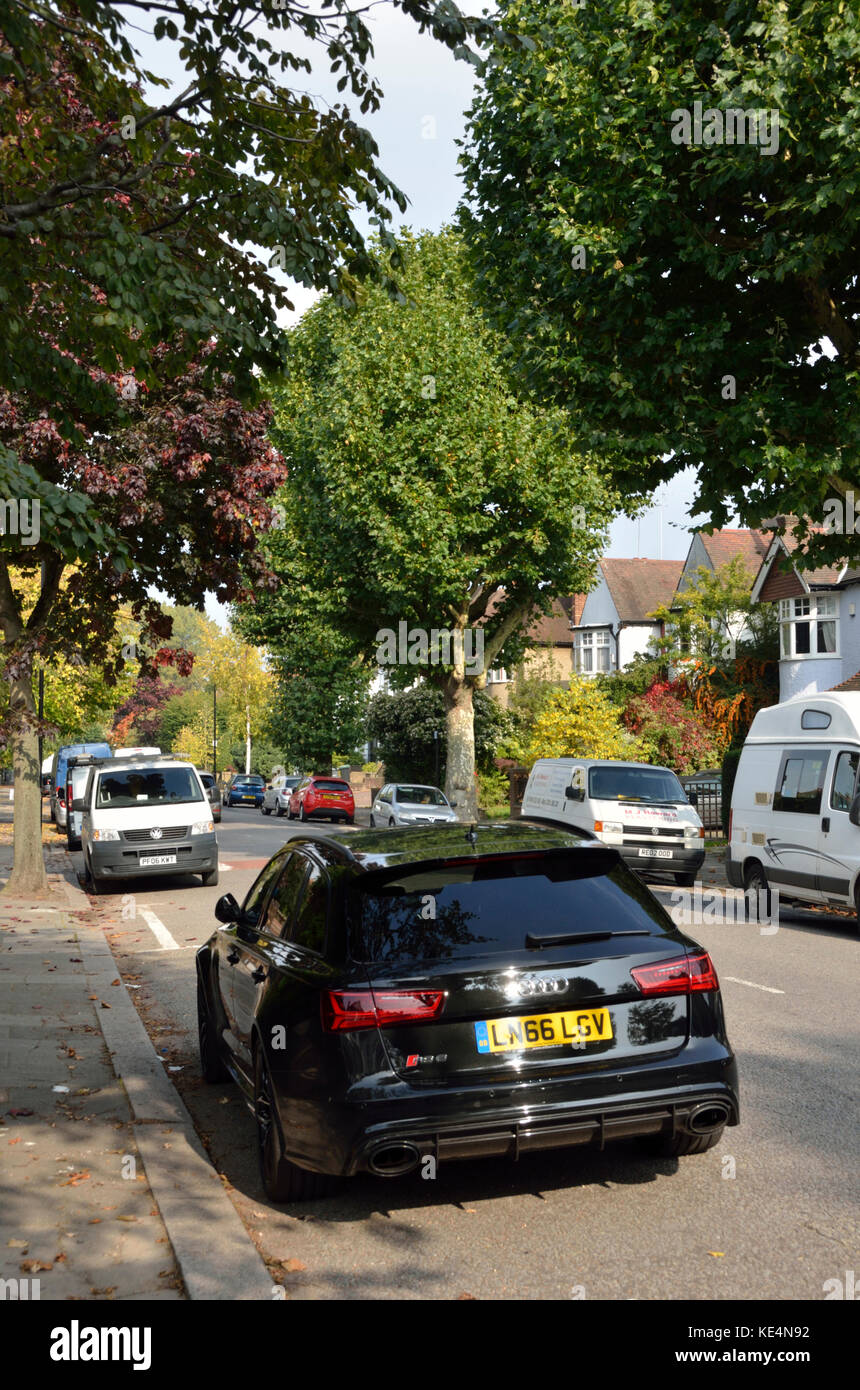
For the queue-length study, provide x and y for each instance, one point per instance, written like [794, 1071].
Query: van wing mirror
[574, 793]
[693, 798]
[79, 803]
[854, 813]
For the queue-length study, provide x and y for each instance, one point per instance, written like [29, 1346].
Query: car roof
[369, 850]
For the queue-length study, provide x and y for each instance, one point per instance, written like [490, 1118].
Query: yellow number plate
[543, 1030]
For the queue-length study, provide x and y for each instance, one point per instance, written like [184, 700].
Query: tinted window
[309, 927]
[844, 779]
[421, 796]
[641, 784]
[256, 899]
[328, 784]
[801, 781]
[248, 783]
[148, 787]
[487, 909]
[279, 919]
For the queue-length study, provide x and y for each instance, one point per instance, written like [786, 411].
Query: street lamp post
[214, 734]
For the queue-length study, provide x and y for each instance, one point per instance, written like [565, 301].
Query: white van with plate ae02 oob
[144, 815]
[795, 818]
[641, 810]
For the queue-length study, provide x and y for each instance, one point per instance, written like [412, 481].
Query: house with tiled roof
[615, 624]
[819, 613]
[550, 650]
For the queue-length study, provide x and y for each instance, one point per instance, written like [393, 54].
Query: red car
[323, 796]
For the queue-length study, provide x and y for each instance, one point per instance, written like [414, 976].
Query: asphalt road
[770, 1213]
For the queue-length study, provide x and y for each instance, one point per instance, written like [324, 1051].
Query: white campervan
[640, 810]
[795, 819]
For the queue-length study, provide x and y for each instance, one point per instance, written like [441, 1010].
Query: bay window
[808, 626]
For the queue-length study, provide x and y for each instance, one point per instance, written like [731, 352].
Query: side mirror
[854, 813]
[574, 793]
[227, 909]
[453, 804]
[693, 798]
[79, 804]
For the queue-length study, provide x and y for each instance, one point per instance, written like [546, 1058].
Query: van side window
[800, 781]
[844, 778]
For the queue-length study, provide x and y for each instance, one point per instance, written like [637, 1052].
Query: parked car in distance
[458, 994]
[795, 817]
[246, 789]
[276, 796]
[642, 810]
[58, 774]
[408, 803]
[320, 796]
[210, 786]
[146, 816]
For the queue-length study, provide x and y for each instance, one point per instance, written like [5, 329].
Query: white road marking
[768, 989]
[225, 868]
[158, 929]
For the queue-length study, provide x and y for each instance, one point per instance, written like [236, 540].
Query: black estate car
[452, 992]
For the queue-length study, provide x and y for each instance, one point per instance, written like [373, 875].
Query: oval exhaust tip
[705, 1118]
[394, 1160]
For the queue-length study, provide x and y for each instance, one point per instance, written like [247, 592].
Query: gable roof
[778, 561]
[639, 586]
[554, 627]
[724, 546]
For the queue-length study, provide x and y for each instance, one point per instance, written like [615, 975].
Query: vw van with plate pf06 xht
[642, 811]
[146, 816]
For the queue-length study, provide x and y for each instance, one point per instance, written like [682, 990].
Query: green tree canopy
[421, 491]
[675, 296]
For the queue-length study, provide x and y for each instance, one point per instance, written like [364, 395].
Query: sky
[426, 94]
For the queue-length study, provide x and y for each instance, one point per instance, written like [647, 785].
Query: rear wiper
[535, 943]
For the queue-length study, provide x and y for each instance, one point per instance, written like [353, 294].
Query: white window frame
[595, 645]
[498, 676]
[813, 611]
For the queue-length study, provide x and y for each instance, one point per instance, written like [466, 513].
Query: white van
[795, 818]
[642, 811]
[146, 816]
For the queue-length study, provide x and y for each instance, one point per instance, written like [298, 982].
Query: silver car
[277, 795]
[407, 803]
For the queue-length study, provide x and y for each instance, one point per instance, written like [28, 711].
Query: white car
[277, 795]
[408, 803]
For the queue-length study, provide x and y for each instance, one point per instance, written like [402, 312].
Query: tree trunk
[460, 732]
[28, 878]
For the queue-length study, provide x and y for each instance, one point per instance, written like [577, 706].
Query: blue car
[245, 790]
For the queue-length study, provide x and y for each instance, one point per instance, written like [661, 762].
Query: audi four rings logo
[536, 984]
[156, 833]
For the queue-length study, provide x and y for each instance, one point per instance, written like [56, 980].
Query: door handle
[258, 975]
[233, 955]
[825, 824]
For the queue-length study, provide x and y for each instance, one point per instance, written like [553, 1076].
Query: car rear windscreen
[328, 784]
[148, 787]
[487, 909]
[642, 784]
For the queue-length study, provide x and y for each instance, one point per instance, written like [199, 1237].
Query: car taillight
[682, 975]
[69, 793]
[347, 1009]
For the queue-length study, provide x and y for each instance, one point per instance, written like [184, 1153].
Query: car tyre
[92, 884]
[391, 820]
[211, 1065]
[755, 880]
[279, 812]
[372, 823]
[302, 816]
[282, 1181]
[267, 810]
[680, 1145]
[210, 879]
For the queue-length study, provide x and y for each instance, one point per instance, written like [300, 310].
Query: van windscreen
[642, 784]
[148, 787]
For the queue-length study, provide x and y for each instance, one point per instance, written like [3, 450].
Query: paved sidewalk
[105, 1189]
[76, 1211]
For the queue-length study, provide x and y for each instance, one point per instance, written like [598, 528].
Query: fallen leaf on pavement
[76, 1178]
[34, 1266]
[15, 1141]
[293, 1266]
[104, 1005]
[718, 1254]
[126, 1218]
[18, 1244]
